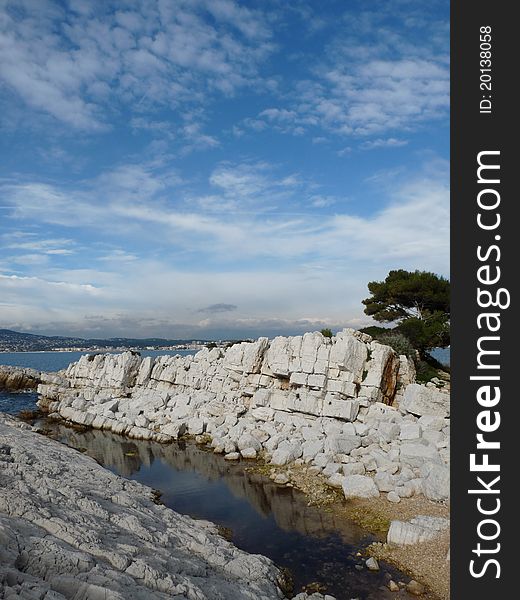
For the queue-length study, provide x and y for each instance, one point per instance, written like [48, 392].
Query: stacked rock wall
[346, 406]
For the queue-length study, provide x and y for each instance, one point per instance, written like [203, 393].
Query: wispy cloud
[373, 80]
[134, 199]
[77, 63]
[383, 143]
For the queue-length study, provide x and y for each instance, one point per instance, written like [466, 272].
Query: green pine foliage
[418, 302]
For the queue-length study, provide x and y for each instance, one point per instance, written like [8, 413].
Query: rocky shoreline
[346, 410]
[71, 529]
[346, 407]
[16, 379]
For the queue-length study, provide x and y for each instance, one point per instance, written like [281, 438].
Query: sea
[443, 355]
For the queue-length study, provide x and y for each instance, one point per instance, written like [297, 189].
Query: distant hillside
[14, 341]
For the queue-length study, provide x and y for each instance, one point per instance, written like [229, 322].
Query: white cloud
[118, 256]
[322, 201]
[145, 53]
[383, 143]
[13, 284]
[248, 210]
[26, 241]
[370, 80]
[287, 268]
[196, 139]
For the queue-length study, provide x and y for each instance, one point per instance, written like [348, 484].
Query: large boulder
[286, 452]
[17, 378]
[380, 381]
[420, 400]
[348, 354]
[283, 355]
[359, 486]
[246, 357]
[416, 454]
[436, 484]
[342, 444]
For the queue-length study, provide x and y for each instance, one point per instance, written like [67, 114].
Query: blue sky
[212, 168]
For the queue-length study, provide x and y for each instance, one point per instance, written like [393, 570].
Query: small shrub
[326, 332]
[400, 343]
[425, 372]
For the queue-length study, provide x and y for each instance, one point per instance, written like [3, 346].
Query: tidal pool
[316, 546]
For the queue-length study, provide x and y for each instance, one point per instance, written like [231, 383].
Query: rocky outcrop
[340, 405]
[18, 378]
[72, 529]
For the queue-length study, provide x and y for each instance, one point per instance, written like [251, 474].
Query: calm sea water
[443, 355]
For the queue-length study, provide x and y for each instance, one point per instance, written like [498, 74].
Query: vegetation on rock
[418, 304]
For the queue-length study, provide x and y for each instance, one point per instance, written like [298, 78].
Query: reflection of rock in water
[288, 506]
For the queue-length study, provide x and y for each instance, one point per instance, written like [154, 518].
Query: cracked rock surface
[71, 529]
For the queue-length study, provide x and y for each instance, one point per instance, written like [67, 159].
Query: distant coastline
[15, 341]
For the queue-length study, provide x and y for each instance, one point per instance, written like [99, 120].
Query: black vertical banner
[485, 431]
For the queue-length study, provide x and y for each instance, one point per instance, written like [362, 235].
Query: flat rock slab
[422, 401]
[71, 529]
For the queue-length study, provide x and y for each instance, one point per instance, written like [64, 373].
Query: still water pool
[316, 546]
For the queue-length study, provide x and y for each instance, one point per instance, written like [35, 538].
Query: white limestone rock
[419, 529]
[355, 468]
[246, 357]
[232, 456]
[421, 401]
[310, 448]
[342, 444]
[359, 486]
[416, 454]
[393, 497]
[348, 354]
[338, 408]
[410, 431]
[311, 399]
[436, 483]
[309, 351]
[286, 452]
[249, 453]
[247, 440]
[336, 480]
[382, 369]
[298, 378]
